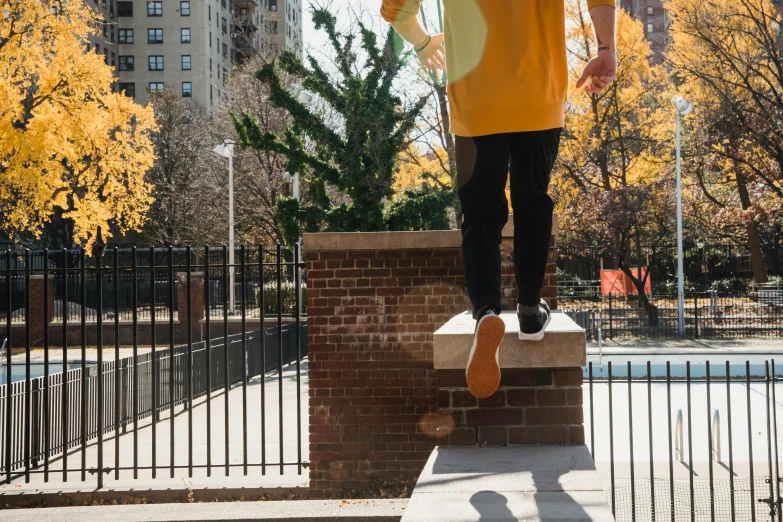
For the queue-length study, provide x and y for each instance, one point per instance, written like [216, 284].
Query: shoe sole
[538, 336]
[483, 371]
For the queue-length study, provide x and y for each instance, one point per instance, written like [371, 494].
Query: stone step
[563, 346]
[531, 483]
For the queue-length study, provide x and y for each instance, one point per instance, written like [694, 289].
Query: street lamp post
[227, 151]
[683, 108]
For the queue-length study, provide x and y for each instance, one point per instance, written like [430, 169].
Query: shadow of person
[491, 505]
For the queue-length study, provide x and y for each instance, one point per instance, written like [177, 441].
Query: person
[507, 68]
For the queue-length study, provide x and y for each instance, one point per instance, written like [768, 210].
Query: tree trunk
[754, 240]
[650, 309]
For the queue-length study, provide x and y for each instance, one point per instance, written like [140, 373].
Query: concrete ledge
[531, 483]
[395, 240]
[563, 346]
[298, 510]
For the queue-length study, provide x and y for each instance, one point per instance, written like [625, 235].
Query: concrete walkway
[299, 511]
[256, 476]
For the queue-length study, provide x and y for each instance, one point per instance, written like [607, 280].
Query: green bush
[734, 285]
[288, 291]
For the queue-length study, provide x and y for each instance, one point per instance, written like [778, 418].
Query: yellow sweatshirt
[506, 61]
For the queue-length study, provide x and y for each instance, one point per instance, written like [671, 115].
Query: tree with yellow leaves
[726, 54]
[611, 180]
[68, 143]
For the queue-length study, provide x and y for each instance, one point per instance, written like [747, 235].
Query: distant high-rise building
[654, 20]
[189, 46]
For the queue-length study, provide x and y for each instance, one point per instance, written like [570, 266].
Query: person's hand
[601, 71]
[434, 55]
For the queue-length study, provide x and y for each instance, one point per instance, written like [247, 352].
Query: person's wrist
[606, 49]
[423, 44]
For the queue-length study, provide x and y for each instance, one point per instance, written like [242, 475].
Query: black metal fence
[708, 315]
[63, 416]
[705, 447]
[142, 277]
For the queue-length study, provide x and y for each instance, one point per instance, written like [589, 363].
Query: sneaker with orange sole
[483, 371]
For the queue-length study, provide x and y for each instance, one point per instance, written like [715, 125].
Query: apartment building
[189, 46]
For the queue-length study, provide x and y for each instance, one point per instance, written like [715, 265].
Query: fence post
[696, 313]
[611, 333]
[35, 399]
[124, 396]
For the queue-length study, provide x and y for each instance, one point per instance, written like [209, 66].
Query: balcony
[243, 44]
[244, 3]
[245, 21]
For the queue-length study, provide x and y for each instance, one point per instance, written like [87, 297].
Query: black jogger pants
[483, 167]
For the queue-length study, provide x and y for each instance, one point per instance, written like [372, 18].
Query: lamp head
[682, 105]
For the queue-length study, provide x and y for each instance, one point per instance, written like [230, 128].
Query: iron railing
[666, 468]
[708, 315]
[57, 423]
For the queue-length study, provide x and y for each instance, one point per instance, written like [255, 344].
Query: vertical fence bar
[709, 444]
[225, 346]
[696, 314]
[189, 307]
[298, 361]
[611, 332]
[98, 253]
[9, 408]
[650, 439]
[775, 437]
[592, 413]
[671, 454]
[47, 427]
[27, 387]
[750, 446]
[154, 377]
[171, 360]
[84, 363]
[117, 374]
[135, 319]
[630, 440]
[772, 499]
[209, 362]
[690, 440]
[243, 294]
[611, 439]
[64, 394]
[731, 449]
[263, 359]
[280, 349]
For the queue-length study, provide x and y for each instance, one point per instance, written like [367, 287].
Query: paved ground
[273, 477]
[300, 511]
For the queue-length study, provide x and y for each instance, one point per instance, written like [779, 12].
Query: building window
[273, 5]
[225, 51]
[273, 26]
[184, 8]
[156, 63]
[156, 87]
[126, 63]
[649, 10]
[106, 55]
[210, 38]
[97, 49]
[105, 29]
[126, 36]
[155, 36]
[129, 89]
[187, 89]
[154, 8]
[111, 32]
[223, 26]
[649, 28]
[113, 60]
[125, 9]
[223, 3]
[185, 35]
[209, 12]
[186, 62]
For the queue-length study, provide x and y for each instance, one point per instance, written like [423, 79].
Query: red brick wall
[532, 406]
[374, 410]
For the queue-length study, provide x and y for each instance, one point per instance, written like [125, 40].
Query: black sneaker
[532, 327]
[483, 370]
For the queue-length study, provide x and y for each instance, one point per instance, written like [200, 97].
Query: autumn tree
[614, 150]
[69, 145]
[188, 178]
[726, 54]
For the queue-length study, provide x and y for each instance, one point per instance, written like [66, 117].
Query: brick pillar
[37, 307]
[532, 406]
[196, 305]
[373, 302]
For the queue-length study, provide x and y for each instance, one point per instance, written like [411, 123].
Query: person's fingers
[582, 79]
